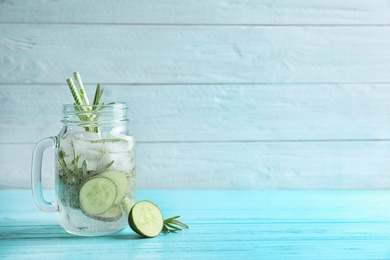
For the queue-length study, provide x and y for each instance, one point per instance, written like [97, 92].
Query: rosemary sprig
[71, 173]
[82, 102]
[173, 225]
[98, 95]
[102, 141]
[104, 168]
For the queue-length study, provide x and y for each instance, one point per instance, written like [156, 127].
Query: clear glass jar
[94, 170]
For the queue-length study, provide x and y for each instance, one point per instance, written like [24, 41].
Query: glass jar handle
[36, 174]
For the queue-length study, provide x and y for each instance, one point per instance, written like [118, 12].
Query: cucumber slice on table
[121, 182]
[146, 219]
[97, 195]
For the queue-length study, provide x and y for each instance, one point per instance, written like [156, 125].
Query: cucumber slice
[97, 195]
[127, 204]
[112, 214]
[146, 219]
[121, 181]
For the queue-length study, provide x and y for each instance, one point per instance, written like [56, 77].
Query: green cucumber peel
[146, 219]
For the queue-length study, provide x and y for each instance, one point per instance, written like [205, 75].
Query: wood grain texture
[200, 54]
[209, 113]
[241, 165]
[233, 224]
[225, 94]
[197, 12]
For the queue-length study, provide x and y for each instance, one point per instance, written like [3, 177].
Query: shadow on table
[53, 232]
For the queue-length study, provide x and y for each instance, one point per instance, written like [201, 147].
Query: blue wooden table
[223, 225]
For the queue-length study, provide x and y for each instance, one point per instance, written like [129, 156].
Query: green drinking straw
[81, 88]
[78, 101]
[75, 93]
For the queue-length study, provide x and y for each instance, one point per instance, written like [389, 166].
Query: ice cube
[118, 143]
[98, 151]
[124, 162]
[85, 146]
[88, 136]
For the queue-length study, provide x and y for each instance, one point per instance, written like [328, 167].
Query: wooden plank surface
[197, 12]
[233, 224]
[212, 87]
[234, 165]
[201, 54]
[209, 113]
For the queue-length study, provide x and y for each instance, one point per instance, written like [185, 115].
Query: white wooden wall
[223, 94]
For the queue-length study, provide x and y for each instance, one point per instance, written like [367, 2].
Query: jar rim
[119, 105]
[89, 115]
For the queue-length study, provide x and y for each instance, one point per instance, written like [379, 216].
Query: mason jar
[94, 170]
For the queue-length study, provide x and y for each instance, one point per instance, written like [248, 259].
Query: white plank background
[218, 12]
[222, 94]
